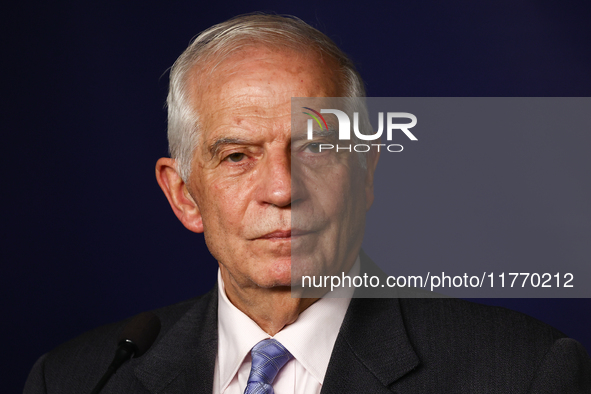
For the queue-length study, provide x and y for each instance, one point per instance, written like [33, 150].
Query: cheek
[343, 204]
[222, 224]
[335, 192]
[225, 204]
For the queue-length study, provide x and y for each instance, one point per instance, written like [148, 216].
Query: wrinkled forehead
[268, 75]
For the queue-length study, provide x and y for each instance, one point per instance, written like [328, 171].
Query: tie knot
[268, 357]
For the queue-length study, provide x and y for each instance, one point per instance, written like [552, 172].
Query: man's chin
[277, 274]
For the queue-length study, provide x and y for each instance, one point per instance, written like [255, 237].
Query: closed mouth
[281, 235]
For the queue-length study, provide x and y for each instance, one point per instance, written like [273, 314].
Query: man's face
[241, 177]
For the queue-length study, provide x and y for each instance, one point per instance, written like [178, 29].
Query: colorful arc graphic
[316, 118]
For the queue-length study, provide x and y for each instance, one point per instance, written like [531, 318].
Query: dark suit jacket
[384, 346]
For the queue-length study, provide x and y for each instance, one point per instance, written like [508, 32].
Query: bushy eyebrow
[214, 148]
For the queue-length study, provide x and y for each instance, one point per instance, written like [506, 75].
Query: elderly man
[232, 177]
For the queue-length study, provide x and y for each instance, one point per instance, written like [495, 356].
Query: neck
[270, 308]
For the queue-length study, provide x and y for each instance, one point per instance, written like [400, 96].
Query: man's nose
[275, 180]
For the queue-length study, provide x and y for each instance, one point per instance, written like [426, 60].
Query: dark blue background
[88, 237]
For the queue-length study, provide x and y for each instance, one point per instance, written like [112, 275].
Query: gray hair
[219, 42]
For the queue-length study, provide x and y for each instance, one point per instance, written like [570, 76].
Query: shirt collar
[310, 339]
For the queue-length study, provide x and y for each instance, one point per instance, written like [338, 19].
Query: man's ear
[372, 158]
[183, 205]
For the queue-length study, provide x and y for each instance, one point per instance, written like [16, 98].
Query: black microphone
[135, 339]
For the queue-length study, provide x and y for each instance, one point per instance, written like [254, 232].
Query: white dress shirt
[309, 339]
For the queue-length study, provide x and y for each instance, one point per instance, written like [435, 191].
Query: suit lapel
[184, 359]
[372, 349]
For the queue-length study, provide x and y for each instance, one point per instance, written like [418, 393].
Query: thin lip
[283, 234]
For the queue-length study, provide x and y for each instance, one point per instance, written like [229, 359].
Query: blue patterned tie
[268, 357]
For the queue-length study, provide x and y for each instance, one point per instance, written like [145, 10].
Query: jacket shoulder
[483, 345]
[462, 317]
[81, 361]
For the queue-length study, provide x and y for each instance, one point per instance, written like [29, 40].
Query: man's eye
[235, 157]
[313, 147]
